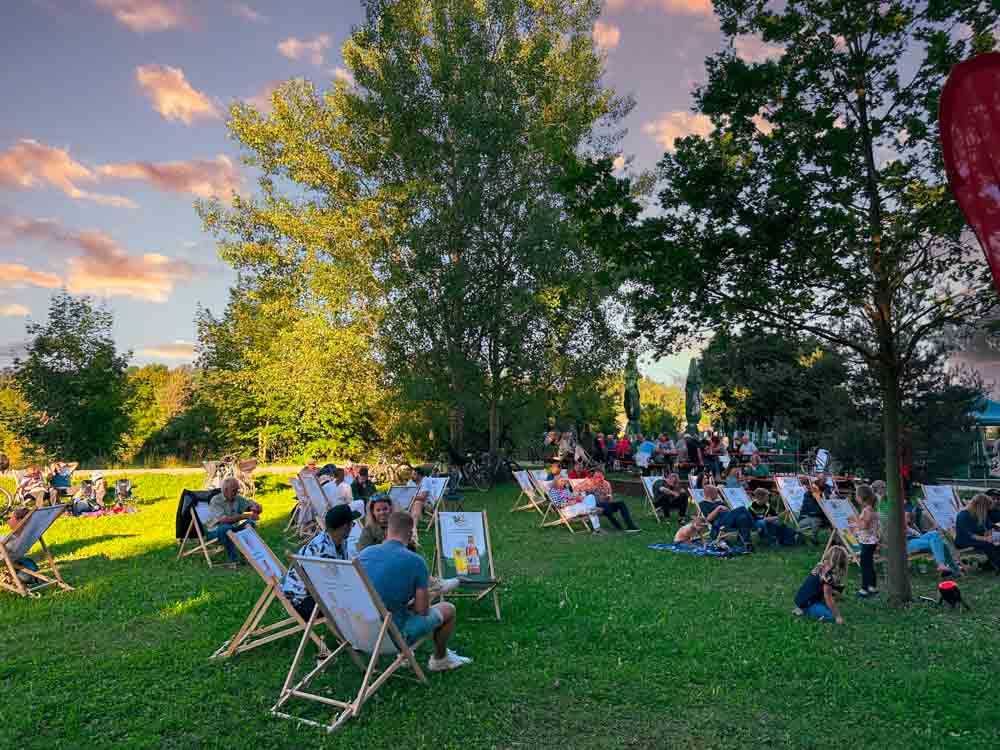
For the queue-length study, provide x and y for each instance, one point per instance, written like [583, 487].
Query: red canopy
[970, 141]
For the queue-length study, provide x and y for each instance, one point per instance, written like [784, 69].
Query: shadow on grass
[61, 549]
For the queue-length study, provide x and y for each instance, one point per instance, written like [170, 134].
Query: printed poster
[464, 550]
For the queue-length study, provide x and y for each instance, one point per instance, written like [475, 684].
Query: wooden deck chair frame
[838, 535]
[207, 547]
[13, 568]
[697, 496]
[437, 501]
[373, 678]
[789, 515]
[251, 635]
[529, 493]
[647, 488]
[949, 532]
[563, 519]
[486, 588]
[300, 499]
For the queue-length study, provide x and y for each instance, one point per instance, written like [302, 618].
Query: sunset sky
[114, 122]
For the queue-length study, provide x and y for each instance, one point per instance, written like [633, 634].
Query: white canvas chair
[402, 496]
[578, 514]
[477, 578]
[19, 578]
[941, 503]
[792, 495]
[301, 516]
[318, 502]
[357, 618]
[647, 486]
[197, 534]
[735, 497]
[435, 488]
[529, 499]
[251, 635]
[841, 513]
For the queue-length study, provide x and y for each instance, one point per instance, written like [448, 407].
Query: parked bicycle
[390, 471]
[229, 466]
[819, 461]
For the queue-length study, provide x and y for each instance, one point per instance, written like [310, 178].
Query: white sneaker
[451, 660]
[449, 584]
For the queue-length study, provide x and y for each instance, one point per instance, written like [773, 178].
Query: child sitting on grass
[816, 597]
[691, 533]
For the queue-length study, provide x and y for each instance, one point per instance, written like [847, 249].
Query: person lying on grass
[817, 596]
[721, 517]
[400, 576]
[380, 507]
[691, 533]
[600, 488]
[230, 511]
[330, 543]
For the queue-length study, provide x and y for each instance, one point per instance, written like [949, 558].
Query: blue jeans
[819, 611]
[933, 543]
[221, 532]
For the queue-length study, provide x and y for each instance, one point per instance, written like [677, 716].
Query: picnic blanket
[697, 550]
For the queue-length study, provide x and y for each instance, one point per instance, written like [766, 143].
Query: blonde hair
[980, 506]
[835, 561]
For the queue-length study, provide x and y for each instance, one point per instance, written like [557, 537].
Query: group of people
[54, 484]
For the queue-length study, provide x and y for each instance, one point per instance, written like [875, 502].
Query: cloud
[177, 350]
[676, 7]
[29, 164]
[147, 15]
[18, 275]
[172, 96]
[606, 35]
[753, 49]
[244, 11]
[261, 101]
[101, 266]
[677, 124]
[343, 74]
[619, 163]
[14, 311]
[204, 178]
[313, 50]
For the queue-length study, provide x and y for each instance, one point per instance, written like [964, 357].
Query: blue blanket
[698, 550]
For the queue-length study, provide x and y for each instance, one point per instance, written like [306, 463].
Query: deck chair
[455, 532]
[735, 497]
[529, 498]
[357, 618]
[318, 502]
[647, 486]
[301, 515]
[792, 495]
[840, 512]
[402, 496]
[698, 497]
[197, 534]
[570, 516]
[435, 488]
[269, 568]
[21, 579]
[941, 504]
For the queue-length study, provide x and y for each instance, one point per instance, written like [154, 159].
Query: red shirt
[623, 448]
[574, 474]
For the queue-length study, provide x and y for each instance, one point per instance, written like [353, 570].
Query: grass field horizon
[603, 643]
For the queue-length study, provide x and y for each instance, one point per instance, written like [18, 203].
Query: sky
[115, 123]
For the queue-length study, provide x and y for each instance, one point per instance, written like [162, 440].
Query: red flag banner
[970, 140]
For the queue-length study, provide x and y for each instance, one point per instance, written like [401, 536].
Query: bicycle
[819, 461]
[467, 472]
[229, 466]
[384, 471]
[10, 501]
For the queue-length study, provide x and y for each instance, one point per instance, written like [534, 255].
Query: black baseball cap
[340, 515]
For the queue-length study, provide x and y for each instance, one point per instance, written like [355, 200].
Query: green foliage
[14, 423]
[141, 625]
[75, 382]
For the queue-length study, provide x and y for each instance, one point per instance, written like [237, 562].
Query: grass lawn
[604, 644]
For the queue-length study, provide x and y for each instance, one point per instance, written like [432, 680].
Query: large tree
[422, 193]
[75, 381]
[819, 201]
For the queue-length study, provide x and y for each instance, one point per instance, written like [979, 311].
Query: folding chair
[402, 496]
[269, 568]
[301, 514]
[942, 504]
[435, 487]
[735, 497]
[357, 618]
[16, 545]
[465, 551]
[647, 486]
[698, 496]
[840, 512]
[200, 540]
[569, 515]
[318, 502]
[792, 495]
[532, 500]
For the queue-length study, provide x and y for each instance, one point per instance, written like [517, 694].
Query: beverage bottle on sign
[461, 562]
[472, 557]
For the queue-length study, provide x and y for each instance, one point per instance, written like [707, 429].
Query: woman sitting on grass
[972, 531]
[817, 596]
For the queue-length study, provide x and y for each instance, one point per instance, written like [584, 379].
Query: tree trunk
[456, 428]
[895, 535]
[494, 428]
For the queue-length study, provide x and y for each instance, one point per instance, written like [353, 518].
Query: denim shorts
[417, 626]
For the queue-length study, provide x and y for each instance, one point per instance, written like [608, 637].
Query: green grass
[604, 644]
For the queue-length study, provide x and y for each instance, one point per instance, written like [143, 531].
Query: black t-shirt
[760, 511]
[707, 506]
[693, 449]
[810, 592]
[810, 507]
[967, 525]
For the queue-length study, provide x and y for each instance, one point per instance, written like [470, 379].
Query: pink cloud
[752, 49]
[677, 7]
[204, 178]
[262, 100]
[177, 350]
[147, 15]
[101, 266]
[606, 35]
[343, 74]
[14, 310]
[29, 164]
[313, 50]
[678, 124]
[619, 163]
[172, 96]
[244, 11]
[16, 274]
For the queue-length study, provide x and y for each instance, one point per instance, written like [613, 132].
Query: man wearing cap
[331, 544]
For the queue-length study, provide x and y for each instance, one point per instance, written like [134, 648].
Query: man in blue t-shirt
[399, 575]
